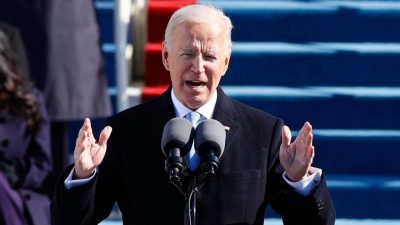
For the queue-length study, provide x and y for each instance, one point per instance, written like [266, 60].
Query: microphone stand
[190, 199]
[191, 205]
[190, 189]
[207, 170]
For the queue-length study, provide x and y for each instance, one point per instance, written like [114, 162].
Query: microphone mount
[174, 165]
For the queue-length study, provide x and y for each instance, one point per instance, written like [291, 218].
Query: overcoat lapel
[226, 114]
[163, 110]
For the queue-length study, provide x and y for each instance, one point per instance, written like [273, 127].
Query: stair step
[326, 107]
[159, 12]
[310, 21]
[363, 199]
[324, 64]
[105, 16]
[109, 56]
[374, 152]
[365, 196]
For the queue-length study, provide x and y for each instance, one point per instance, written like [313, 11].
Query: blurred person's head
[16, 97]
[196, 52]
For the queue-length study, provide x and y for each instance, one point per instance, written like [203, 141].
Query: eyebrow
[187, 49]
[212, 51]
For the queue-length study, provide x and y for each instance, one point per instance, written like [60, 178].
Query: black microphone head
[210, 136]
[178, 133]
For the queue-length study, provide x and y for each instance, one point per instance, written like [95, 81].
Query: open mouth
[193, 83]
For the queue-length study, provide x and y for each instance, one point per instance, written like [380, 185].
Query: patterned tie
[193, 158]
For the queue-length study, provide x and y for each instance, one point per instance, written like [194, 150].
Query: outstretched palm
[296, 158]
[88, 153]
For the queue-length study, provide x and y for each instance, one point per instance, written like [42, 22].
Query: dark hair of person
[16, 97]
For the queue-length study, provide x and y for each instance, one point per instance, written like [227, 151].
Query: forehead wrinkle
[196, 41]
[200, 46]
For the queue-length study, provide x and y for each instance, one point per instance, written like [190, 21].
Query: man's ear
[226, 62]
[164, 56]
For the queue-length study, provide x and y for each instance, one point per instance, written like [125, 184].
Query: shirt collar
[206, 110]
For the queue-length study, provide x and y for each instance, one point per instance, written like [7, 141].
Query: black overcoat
[249, 179]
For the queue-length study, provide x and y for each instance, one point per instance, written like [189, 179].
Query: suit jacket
[249, 179]
[33, 152]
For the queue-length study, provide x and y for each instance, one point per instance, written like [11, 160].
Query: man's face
[197, 59]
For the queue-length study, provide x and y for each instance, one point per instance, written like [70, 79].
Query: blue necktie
[193, 158]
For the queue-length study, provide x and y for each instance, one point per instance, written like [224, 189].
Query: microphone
[209, 143]
[176, 141]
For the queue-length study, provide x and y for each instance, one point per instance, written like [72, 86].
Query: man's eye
[211, 57]
[187, 54]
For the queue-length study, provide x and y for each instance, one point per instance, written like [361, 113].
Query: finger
[89, 135]
[312, 152]
[304, 132]
[307, 147]
[104, 135]
[88, 127]
[82, 130]
[310, 155]
[88, 140]
[82, 135]
[286, 136]
[309, 140]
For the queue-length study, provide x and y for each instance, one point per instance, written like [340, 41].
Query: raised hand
[296, 158]
[88, 153]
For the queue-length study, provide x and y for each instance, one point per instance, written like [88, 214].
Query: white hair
[198, 14]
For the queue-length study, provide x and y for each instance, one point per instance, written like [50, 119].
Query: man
[259, 167]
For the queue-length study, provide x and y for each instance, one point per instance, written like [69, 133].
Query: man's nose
[198, 64]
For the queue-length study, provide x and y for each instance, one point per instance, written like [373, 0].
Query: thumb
[104, 135]
[286, 136]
